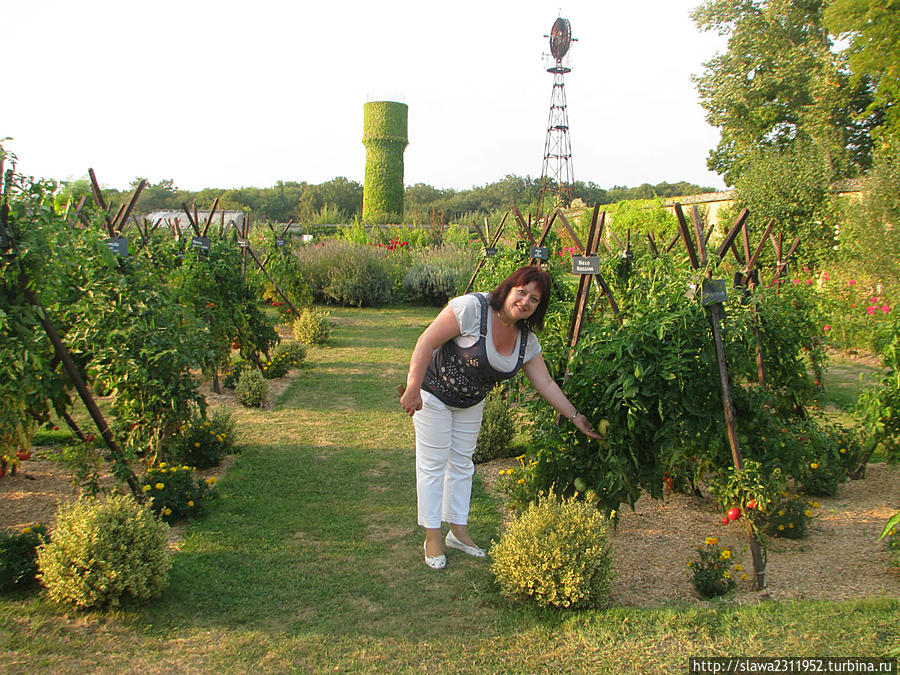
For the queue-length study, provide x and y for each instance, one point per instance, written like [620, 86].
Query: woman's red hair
[522, 277]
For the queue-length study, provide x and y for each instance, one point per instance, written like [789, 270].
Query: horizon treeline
[339, 200]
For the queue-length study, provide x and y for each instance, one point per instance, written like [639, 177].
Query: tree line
[339, 200]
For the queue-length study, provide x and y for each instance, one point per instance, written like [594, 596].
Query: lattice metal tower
[557, 174]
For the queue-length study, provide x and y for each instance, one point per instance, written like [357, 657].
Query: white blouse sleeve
[468, 314]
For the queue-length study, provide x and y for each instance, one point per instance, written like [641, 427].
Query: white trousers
[445, 442]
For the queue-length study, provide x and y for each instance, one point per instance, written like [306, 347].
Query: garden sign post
[713, 295]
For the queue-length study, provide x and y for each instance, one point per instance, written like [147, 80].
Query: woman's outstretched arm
[537, 373]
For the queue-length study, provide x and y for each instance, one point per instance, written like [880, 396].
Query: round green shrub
[557, 553]
[18, 556]
[251, 389]
[104, 552]
[312, 327]
[497, 430]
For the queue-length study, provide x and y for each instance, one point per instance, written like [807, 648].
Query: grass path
[311, 562]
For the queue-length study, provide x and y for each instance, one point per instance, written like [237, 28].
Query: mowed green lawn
[311, 561]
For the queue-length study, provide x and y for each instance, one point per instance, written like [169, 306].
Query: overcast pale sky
[230, 94]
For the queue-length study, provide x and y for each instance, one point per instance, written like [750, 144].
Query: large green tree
[779, 82]
[872, 28]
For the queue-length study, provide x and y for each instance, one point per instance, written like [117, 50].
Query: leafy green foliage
[347, 274]
[175, 492]
[104, 552]
[251, 389]
[777, 83]
[204, 442]
[312, 327]
[498, 429]
[789, 516]
[557, 553]
[18, 556]
[873, 30]
[792, 185]
[711, 575]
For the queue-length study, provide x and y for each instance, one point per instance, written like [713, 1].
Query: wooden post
[715, 320]
[75, 375]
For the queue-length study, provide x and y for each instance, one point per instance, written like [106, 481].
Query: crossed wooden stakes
[7, 241]
[713, 296]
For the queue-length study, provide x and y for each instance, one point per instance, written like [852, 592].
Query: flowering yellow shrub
[105, 551]
[557, 553]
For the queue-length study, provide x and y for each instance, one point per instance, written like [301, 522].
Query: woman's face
[522, 301]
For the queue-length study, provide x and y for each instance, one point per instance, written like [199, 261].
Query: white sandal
[435, 562]
[475, 551]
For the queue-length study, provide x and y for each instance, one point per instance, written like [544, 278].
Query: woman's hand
[411, 400]
[583, 424]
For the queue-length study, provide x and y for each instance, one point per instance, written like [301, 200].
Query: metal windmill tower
[557, 175]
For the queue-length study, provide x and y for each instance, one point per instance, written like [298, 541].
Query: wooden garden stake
[715, 318]
[89, 403]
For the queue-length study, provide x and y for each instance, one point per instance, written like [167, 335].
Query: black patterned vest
[462, 376]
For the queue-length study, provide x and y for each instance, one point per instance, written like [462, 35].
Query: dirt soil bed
[839, 559]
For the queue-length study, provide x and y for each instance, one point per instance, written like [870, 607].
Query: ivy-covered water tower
[384, 135]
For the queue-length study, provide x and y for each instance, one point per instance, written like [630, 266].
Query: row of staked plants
[139, 327]
[652, 384]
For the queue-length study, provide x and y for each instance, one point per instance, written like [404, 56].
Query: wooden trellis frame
[62, 353]
[715, 318]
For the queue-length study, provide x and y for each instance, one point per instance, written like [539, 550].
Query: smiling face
[522, 301]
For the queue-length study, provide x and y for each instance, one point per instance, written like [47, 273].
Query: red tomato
[725, 520]
[734, 513]
[751, 504]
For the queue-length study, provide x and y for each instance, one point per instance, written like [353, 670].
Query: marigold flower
[521, 481]
[711, 541]
[159, 486]
[814, 465]
[808, 513]
[210, 480]
[815, 505]
[781, 513]
[147, 488]
[26, 530]
[162, 465]
[744, 577]
[191, 502]
[196, 444]
[726, 554]
[726, 574]
[738, 568]
[781, 528]
[167, 511]
[843, 451]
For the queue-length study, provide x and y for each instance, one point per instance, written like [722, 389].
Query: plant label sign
[118, 245]
[243, 243]
[200, 242]
[540, 253]
[279, 242]
[714, 292]
[490, 251]
[585, 264]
